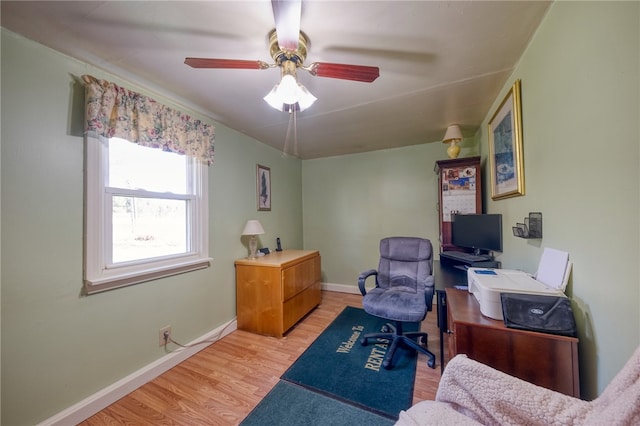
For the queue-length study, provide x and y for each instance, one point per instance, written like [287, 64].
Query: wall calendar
[458, 191]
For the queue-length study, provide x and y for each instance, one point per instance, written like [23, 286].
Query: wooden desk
[546, 360]
[446, 276]
[275, 291]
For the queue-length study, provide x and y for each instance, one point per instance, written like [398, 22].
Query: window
[146, 214]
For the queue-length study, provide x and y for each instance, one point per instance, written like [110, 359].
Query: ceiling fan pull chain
[295, 132]
[287, 139]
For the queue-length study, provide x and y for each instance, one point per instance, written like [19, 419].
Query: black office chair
[403, 293]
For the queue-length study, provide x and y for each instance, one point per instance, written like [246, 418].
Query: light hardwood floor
[221, 384]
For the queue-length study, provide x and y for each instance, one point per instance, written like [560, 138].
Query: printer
[551, 279]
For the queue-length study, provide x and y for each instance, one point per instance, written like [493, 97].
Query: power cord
[168, 339]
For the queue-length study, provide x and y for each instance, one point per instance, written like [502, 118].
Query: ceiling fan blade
[286, 14]
[226, 63]
[344, 71]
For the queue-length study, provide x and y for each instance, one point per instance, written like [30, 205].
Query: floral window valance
[113, 111]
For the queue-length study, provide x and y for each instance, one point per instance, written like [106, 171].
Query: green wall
[580, 96]
[580, 102]
[59, 347]
[352, 201]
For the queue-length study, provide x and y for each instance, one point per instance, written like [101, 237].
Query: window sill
[117, 280]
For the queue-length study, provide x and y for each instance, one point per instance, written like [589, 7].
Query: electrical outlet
[164, 334]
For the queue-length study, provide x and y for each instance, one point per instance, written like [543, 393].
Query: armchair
[471, 393]
[404, 288]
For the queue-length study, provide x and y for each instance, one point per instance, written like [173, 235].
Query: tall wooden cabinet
[459, 191]
[275, 291]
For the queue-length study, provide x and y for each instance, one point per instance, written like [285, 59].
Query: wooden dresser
[275, 291]
[547, 360]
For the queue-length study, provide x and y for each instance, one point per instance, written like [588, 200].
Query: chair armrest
[363, 277]
[429, 292]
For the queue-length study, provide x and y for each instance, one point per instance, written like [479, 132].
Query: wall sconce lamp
[253, 228]
[452, 136]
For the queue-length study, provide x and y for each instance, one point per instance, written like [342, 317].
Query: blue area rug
[292, 405]
[337, 365]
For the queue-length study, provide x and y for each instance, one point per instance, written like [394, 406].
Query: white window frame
[99, 274]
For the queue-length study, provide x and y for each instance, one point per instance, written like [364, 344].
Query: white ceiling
[441, 62]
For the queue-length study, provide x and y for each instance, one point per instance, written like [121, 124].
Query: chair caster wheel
[386, 364]
[431, 363]
[363, 341]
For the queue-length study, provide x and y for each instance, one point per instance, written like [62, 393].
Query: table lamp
[253, 228]
[452, 136]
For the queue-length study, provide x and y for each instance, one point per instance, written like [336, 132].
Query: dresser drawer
[297, 278]
[300, 304]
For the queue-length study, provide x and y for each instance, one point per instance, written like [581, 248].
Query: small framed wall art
[263, 187]
[505, 147]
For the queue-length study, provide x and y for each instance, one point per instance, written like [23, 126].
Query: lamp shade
[287, 90]
[283, 100]
[453, 133]
[306, 98]
[288, 94]
[253, 227]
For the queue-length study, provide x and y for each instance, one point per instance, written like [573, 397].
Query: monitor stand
[450, 261]
[478, 252]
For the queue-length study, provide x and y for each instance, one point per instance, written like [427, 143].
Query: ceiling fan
[288, 48]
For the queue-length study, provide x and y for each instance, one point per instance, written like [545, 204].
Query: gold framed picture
[263, 187]
[505, 147]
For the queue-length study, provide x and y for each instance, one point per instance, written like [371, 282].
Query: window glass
[140, 167]
[148, 227]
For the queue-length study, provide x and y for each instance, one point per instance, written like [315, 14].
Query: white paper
[552, 267]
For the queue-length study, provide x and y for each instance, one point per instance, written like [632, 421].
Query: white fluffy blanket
[472, 393]
[433, 413]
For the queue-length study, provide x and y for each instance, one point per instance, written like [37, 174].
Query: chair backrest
[405, 261]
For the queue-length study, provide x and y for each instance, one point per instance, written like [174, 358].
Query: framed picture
[505, 147]
[263, 187]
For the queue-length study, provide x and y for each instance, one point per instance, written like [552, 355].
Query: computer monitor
[480, 232]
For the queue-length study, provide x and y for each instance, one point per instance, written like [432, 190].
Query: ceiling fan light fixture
[306, 98]
[289, 92]
[272, 99]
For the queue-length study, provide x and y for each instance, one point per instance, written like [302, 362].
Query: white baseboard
[107, 396]
[341, 288]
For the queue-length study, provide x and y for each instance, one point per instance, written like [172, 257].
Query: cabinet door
[460, 191]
